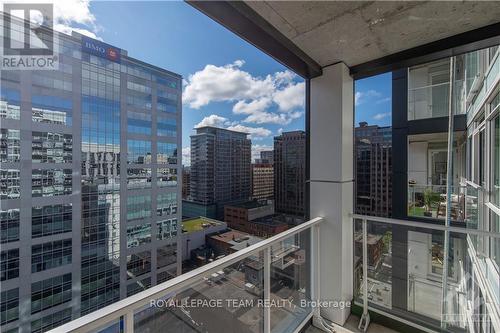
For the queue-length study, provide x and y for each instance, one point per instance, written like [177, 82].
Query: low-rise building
[267, 226]
[231, 241]
[195, 231]
[238, 216]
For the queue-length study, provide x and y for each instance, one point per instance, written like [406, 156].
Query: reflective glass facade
[98, 139]
[100, 182]
[50, 147]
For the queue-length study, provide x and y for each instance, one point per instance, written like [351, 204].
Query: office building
[192, 209]
[262, 181]
[266, 157]
[89, 188]
[373, 148]
[220, 167]
[240, 216]
[289, 172]
[186, 182]
[267, 226]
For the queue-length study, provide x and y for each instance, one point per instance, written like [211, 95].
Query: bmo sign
[100, 49]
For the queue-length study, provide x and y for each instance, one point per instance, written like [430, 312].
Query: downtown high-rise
[289, 172]
[373, 190]
[220, 167]
[89, 183]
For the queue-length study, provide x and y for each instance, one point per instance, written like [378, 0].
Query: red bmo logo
[112, 54]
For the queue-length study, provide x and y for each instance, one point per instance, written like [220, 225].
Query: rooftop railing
[264, 287]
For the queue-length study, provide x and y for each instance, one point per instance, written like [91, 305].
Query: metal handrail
[127, 306]
[425, 225]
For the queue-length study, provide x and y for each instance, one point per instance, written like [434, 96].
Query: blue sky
[373, 100]
[228, 82]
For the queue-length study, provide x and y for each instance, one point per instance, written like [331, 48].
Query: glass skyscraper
[88, 183]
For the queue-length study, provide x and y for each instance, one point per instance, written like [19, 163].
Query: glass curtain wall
[437, 278]
[471, 297]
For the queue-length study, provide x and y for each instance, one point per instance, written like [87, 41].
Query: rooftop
[238, 239]
[198, 223]
[275, 219]
[206, 129]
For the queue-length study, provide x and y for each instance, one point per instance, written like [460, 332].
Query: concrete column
[331, 183]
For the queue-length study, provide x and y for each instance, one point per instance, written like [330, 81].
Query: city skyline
[275, 100]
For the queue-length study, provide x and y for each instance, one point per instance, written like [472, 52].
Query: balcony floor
[352, 325]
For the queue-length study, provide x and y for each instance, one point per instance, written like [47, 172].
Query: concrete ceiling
[359, 31]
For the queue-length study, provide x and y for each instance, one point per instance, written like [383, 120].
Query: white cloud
[284, 77]
[222, 122]
[212, 120]
[186, 156]
[363, 96]
[224, 83]
[67, 30]
[357, 98]
[252, 96]
[255, 132]
[68, 13]
[256, 149]
[272, 118]
[380, 116]
[291, 97]
[383, 100]
[257, 105]
[280, 130]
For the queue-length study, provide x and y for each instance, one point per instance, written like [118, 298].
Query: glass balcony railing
[399, 267]
[432, 101]
[489, 82]
[429, 101]
[264, 287]
[429, 201]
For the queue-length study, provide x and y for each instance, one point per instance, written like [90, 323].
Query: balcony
[266, 287]
[274, 285]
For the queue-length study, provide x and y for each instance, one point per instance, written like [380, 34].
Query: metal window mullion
[365, 268]
[267, 289]
[129, 322]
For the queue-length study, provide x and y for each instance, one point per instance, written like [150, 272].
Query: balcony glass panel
[379, 249]
[428, 90]
[290, 282]
[495, 176]
[229, 300]
[472, 287]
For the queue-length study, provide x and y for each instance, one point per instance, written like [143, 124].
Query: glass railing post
[365, 317]
[449, 192]
[267, 289]
[315, 276]
[129, 322]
